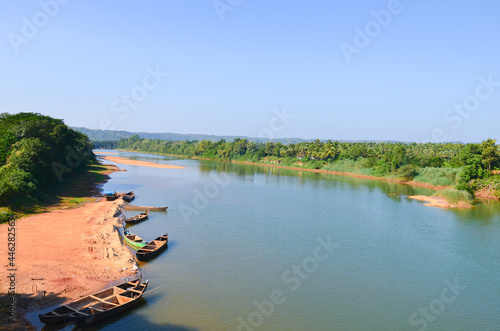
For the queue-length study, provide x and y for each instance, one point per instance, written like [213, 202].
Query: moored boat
[153, 248]
[99, 305]
[138, 218]
[132, 207]
[134, 241]
[129, 196]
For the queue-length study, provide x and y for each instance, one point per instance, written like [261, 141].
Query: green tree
[489, 153]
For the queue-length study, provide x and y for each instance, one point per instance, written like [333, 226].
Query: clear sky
[390, 70]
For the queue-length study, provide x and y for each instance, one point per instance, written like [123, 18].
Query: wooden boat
[133, 240]
[153, 248]
[98, 306]
[129, 196]
[138, 218]
[111, 197]
[132, 207]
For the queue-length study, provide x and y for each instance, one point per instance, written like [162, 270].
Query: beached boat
[133, 240]
[129, 196]
[110, 196]
[138, 218]
[98, 306]
[132, 207]
[153, 248]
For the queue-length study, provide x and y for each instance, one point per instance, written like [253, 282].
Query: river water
[256, 248]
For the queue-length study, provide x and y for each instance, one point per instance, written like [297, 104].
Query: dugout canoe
[134, 241]
[153, 248]
[137, 218]
[132, 207]
[99, 305]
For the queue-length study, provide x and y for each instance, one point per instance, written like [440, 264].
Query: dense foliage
[105, 144]
[37, 151]
[467, 166]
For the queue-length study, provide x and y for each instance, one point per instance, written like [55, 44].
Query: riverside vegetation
[465, 169]
[37, 153]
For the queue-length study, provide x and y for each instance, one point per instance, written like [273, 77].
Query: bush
[455, 196]
[15, 183]
[350, 166]
[408, 172]
[6, 217]
[438, 176]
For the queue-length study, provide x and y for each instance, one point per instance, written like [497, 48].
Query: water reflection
[248, 173]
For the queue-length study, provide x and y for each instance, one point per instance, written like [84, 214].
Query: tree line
[469, 167]
[38, 151]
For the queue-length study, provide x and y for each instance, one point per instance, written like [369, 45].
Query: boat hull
[132, 207]
[132, 244]
[129, 196]
[144, 255]
[138, 218]
[81, 316]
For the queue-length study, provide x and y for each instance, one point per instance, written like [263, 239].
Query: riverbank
[329, 172]
[64, 254]
[482, 195]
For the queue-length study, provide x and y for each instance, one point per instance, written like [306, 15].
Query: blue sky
[233, 67]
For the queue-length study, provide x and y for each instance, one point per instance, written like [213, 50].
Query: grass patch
[6, 216]
[438, 176]
[455, 196]
[350, 166]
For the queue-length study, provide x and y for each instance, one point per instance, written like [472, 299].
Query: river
[257, 248]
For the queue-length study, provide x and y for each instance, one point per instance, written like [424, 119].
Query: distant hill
[110, 135]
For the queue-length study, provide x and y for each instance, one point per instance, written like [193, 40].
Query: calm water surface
[242, 236]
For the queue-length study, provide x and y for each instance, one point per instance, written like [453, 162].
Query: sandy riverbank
[64, 254]
[126, 160]
[439, 202]
[105, 153]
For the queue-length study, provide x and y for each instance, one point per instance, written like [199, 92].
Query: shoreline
[328, 172]
[481, 195]
[82, 253]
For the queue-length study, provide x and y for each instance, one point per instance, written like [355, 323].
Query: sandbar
[126, 160]
[439, 202]
[95, 152]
